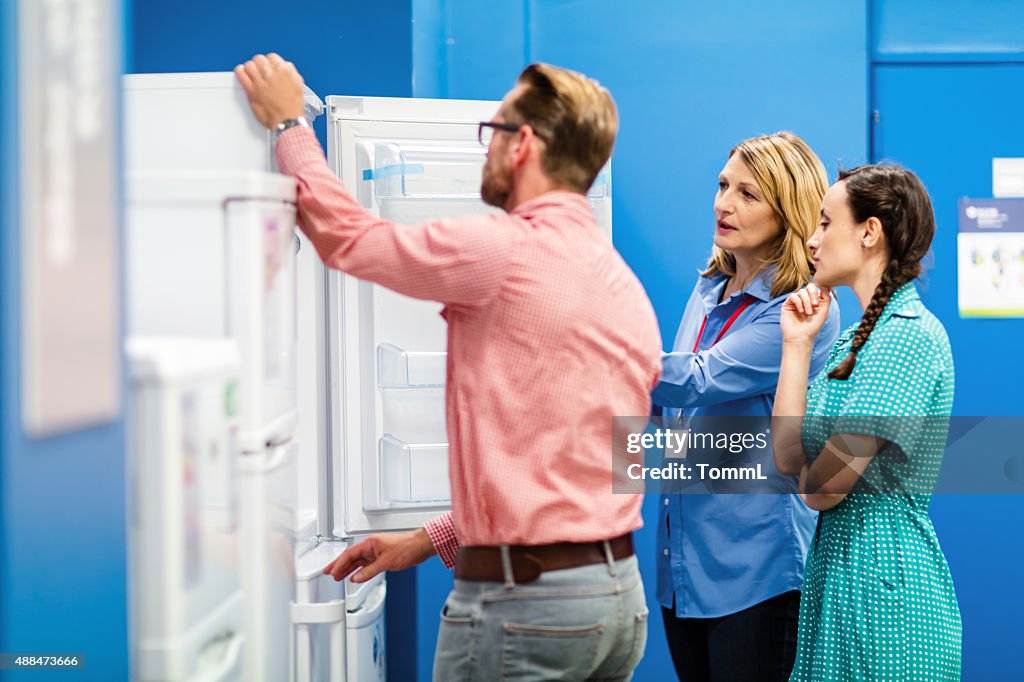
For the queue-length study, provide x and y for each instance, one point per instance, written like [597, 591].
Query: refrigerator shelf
[409, 170]
[425, 209]
[397, 368]
[414, 182]
[413, 474]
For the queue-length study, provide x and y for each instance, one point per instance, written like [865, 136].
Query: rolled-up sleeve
[889, 395]
[459, 262]
[441, 531]
[744, 363]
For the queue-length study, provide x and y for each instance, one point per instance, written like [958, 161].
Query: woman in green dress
[867, 441]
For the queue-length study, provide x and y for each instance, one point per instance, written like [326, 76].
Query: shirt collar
[557, 199]
[904, 302]
[761, 287]
[710, 287]
[847, 335]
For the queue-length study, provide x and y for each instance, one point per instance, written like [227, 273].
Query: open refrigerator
[342, 381]
[407, 161]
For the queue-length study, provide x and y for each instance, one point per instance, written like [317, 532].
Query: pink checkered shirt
[550, 335]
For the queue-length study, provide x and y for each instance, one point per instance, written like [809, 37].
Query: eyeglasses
[485, 131]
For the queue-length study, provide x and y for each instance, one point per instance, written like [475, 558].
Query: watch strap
[288, 124]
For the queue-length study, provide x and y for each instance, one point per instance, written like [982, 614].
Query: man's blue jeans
[585, 623]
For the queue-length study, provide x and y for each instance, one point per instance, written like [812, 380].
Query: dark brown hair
[574, 116]
[899, 200]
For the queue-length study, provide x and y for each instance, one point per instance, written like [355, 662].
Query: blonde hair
[794, 182]
[574, 116]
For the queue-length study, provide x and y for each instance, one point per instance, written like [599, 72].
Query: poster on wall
[990, 258]
[68, 170]
[1007, 177]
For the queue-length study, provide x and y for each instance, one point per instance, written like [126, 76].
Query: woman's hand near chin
[803, 314]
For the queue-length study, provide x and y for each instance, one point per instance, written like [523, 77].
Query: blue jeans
[585, 623]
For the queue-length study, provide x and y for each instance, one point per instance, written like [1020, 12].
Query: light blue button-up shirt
[719, 554]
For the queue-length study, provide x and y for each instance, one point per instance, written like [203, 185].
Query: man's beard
[496, 185]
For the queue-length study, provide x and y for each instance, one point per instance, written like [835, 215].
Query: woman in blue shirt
[731, 565]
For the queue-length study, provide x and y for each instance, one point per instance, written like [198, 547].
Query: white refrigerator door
[267, 487]
[366, 659]
[263, 317]
[186, 605]
[213, 254]
[408, 161]
[319, 616]
[196, 121]
[313, 465]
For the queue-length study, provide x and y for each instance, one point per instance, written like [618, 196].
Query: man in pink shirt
[550, 336]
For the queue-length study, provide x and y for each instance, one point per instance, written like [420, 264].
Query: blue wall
[62, 499]
[690, 79]
[923, 31]
[340, 48]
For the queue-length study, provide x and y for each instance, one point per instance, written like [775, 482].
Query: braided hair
[899, 200]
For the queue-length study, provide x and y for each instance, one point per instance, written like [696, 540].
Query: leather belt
[481, 564]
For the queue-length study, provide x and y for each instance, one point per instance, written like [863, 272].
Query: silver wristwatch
[290, 123]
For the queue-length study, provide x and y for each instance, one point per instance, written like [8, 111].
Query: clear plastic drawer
[397, 368]
[414, 448]
[417, 171]
[414, 473]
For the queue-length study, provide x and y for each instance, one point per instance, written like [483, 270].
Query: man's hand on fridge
[386, 552]
[274, 87]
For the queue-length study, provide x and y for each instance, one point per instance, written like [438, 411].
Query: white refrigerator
[212, 254]
[186, 617]
[367, 364]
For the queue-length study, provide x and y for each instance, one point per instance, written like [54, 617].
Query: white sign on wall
[68, 66]
[1007, 177]
[990, 257]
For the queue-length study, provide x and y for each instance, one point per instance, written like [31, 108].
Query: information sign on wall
[68, 65]
[990, 258]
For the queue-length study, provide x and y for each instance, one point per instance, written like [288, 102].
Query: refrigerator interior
[406, 161]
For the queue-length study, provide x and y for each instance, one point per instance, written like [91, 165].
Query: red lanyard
[696, 344]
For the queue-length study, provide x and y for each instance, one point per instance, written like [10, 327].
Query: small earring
[863, 244]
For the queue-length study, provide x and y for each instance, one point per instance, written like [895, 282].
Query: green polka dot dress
[878, 601]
